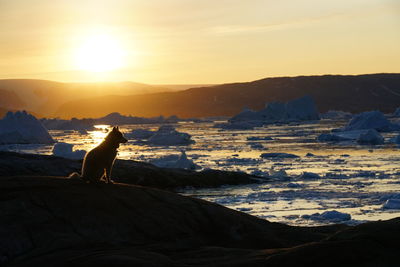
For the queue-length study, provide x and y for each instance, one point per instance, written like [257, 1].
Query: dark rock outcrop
[125, 171]
[51, 221]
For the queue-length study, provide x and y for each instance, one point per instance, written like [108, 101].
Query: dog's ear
[118, 128]
[114, 129]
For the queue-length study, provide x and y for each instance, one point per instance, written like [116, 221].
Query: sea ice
[371, 137]
[259, 138]
[64, 150]
[397, 112]
[278, 155]
[23, 128]
[73, 124]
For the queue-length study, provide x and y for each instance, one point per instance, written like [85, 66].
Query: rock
[23, 128]
[279, 155]
[126, 171]
[371, 120]
[371, 137]
[65, 150]
[53, 221]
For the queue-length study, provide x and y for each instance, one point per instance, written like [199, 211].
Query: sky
[196, 41]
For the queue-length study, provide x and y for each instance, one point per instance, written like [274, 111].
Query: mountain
[353, 93]
[45, 97]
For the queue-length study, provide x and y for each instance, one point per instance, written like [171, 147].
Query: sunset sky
[196, 41]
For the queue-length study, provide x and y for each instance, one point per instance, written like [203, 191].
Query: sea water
[354, 179]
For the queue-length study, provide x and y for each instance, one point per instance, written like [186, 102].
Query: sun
[99, 53]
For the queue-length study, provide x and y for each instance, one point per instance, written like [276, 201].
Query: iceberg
[396, 113]
[64, 150]
[140, 134]
[331, 216]
[23, 128]
[279, 155]
[301, 109]
[392, 204]
[168, 136]
[176, 162]
[371, 120]
[371, 137]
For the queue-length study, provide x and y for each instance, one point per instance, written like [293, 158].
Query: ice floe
[279, 155]
[168, 136]
[23, 128]
[309, 175]
[65, 150]
[139, 134]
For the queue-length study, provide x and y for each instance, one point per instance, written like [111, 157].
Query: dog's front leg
[108, 174]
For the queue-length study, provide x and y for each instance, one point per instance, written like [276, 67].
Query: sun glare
[100, 53]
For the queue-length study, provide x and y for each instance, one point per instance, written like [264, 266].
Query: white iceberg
[23, 128]
[65, 150]
[301, 109]
[371, 120]
[176, 162]
[371, 137]
[168, 136]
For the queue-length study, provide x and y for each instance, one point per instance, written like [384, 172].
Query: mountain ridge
[353, 93]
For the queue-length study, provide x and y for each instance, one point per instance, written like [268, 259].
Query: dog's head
[116, 136]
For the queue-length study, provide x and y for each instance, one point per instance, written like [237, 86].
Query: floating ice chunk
[278, 155]
[391, 204]
[281, 174]
[371, 120]
[257, 146]
[242, 125]
[294, 185]
[176, 162]
[168, 136]
[259, 138]
[310, 154]
[309, 175]
[73, 124]
[23, 128]
[371, 137]
[331, 216]
[329, 137]
[64, 150]
[336, 114]
[140, 134]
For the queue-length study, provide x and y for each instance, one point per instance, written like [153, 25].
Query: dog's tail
[74, 175]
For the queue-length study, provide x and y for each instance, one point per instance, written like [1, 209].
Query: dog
[99, 161]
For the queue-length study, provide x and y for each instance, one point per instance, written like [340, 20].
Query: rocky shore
[54, 221]
[124, 171]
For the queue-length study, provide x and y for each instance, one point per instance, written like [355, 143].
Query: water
[355, 179]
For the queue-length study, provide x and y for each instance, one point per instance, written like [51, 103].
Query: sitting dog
[99, 161]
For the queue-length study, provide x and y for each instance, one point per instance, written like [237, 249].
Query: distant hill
[353, 93]
[45, 97]
[10, 100]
